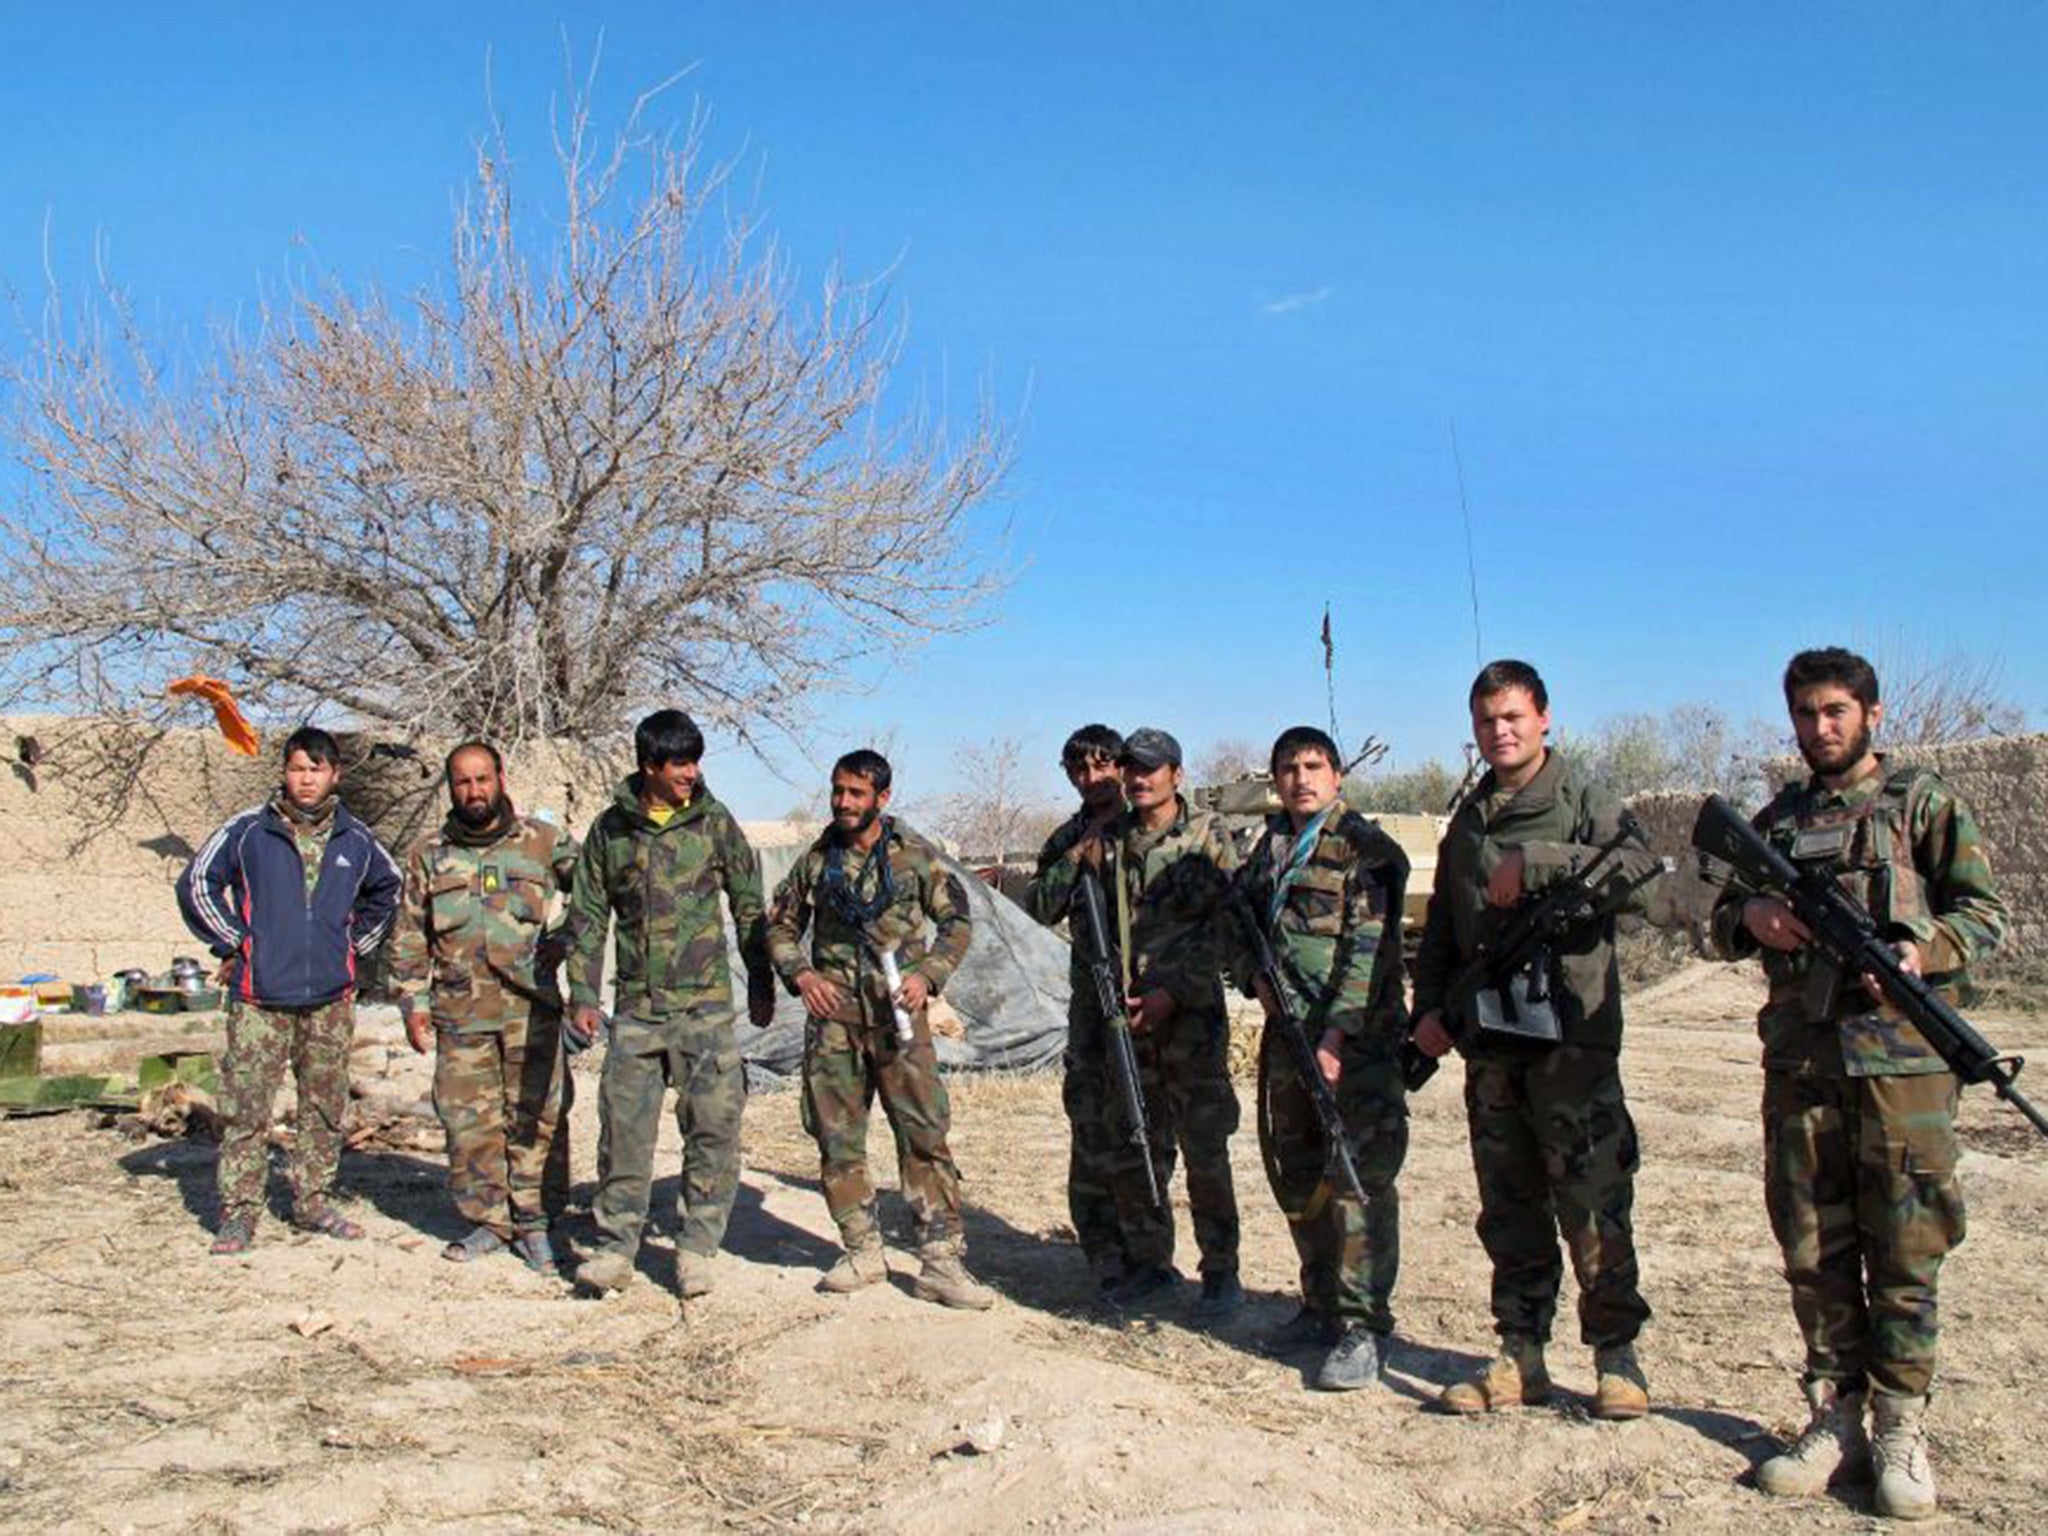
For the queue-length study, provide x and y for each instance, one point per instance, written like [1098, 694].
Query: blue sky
[1738, 311]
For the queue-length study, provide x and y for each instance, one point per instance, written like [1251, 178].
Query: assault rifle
[1508, 977]
[1300, 1050]
[1848, 936]
[1100, 959]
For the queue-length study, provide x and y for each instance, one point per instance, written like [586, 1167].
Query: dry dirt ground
[150, 1387]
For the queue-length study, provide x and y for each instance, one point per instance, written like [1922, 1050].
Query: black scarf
[840, 893]
[465, 835]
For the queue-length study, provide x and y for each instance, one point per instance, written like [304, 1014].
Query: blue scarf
[1287, 874]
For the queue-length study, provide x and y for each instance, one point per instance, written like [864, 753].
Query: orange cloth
[240, 734]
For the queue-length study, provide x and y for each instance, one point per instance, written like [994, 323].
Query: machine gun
[1848, 936]
[1294, 1039]
[1100, 959]
[1508, 977]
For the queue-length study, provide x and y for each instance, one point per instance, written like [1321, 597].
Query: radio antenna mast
[1471, 560]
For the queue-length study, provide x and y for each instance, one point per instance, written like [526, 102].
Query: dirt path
[149, 1387]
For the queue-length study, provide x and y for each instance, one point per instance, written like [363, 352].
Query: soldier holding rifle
[1094, 1128]
[1859, 1107]
[1553, 1146]
[1324, 885]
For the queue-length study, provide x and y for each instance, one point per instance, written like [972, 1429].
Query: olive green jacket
[1558, 820]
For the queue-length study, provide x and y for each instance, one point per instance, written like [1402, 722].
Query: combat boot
[605, 1271]
[862, 1265]
[693, 1274]
[1512, 1378]
[1621, 1391]
[944, 1279]
[1898, 1454]
[1832, 1448]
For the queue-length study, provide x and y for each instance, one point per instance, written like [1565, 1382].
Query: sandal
[479, 1242]
[327, 1220]
[235, 1234]
[535, 1251]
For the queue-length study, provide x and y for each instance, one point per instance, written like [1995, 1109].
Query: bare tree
[618, 463]
[1227, 761]
[999, 812]
[1949, 697]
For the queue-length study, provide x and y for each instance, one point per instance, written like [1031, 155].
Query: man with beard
[474, 961]
[1166, 870]
[862, 895]
[1094, 1117]
[289, 896]
[1553, 1148]
[1859, 1112]
[658, 859]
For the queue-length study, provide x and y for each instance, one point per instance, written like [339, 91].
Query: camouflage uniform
[1172, 886]
[1859, 1113]
[473, 948]
[1553, 1147]
[314, 1042]
[673, 1023]
[1094, 1117]
[1336, 931]
[855, 1055]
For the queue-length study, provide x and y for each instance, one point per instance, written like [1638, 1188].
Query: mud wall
[2005, 779]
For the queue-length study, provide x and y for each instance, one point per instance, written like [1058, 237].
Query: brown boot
[1512, 1378]
[1622, 1392]
[862, 1265]
[1832, 1448]
[604, 1272]
[693, 1274]
[944, 1279]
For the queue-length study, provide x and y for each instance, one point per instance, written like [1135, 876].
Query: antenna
[1330, 678]
[1471, 562]
[1374, 749]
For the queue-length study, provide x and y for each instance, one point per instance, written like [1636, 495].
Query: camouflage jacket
[1051, 895]
[844, 949]
[473, 937]
[1558, 820]
[1173, 884]
[1906, 848]
[1338, 930]
[662, 884]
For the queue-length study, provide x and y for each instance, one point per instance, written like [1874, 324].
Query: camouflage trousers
[698, 1056]
[502, 1095]
[1095, 1133]
[1555, 1153]
[1350, 1253]
[1860, 1181]
[846, 1067]
[1191, 1111]
[262, 1042]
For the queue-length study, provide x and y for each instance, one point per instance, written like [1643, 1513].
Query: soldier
[290, 896]
[1859, 1112]
[657, 859]
[1166, 869]
[863, 893]
[1094, 1132]
[474, 961]
[1553, 1146]
[1328, 884]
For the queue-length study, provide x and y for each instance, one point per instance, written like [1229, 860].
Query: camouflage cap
[1148, 748]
